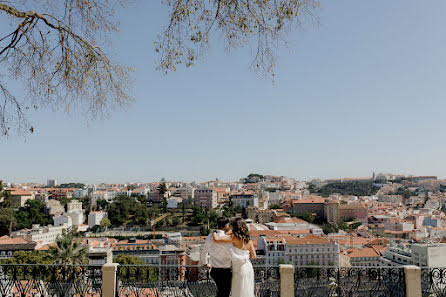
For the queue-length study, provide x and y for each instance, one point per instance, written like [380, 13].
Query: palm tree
[68, 250]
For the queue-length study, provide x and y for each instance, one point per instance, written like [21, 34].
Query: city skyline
[360, 93]
[236, 179]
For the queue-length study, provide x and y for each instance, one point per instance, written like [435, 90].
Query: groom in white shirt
[219, 259]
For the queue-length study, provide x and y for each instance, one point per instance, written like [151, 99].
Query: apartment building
[44, 235]
[245, 199]
[367, 256]
[95, 217]
[145, 250]
[429, 255]
[311, 250]
[19, 197]
[273, 249]
[205, 197]
[8, 246]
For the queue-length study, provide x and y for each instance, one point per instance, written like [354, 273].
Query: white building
[311, 250]
[185, 192]
[74, 206]
[288, 223]
[80, 193]
[95, 217]
[51, 182]
[54, 207]
[44, 235]
[274, 198]
[273, 248]
[62, 220]
[77, 218]
[396, 256]
[172, 202]
[429, 255]
[245, 199]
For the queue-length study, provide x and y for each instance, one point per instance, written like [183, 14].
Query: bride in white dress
[242, 251]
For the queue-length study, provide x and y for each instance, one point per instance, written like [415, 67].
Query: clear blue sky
[363, 92]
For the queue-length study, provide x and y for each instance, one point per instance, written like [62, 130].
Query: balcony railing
[165, 280]
[112, 280]
[433, 282]
[50, 280]
[349, 281]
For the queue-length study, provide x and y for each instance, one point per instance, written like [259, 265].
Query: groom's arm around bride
[218, 258]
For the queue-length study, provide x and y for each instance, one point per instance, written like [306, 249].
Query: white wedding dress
[242, 273]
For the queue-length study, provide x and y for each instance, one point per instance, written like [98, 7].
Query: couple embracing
[230, 250]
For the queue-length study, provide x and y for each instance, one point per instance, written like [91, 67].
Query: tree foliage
[30, 257]
[348, 188]
[258, 24]
[126, 259]
[32, 213]
[68, 250]
[7, 221]
[125, 209]
[59, 50]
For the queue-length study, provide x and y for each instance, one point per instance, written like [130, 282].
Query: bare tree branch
[261, 24]
[55, 53]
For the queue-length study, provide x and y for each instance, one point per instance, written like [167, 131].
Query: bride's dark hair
[240, 230]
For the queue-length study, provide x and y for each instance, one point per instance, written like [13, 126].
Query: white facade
[62, 220]
[185, 192]
[429, 255]
[95, 217]
[45, 235]
[312, 251]
[51, 182]
[74, 206]
[274, 198]
[245, 200]
[273, 248]
[54, 207]
[172, 202]
[80, 193]
[77, 218]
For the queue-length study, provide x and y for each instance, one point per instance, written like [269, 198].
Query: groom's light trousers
[222, 278]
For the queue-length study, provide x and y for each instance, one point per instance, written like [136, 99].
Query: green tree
[141, 215]
[176, 221]
[406, 194]
[121, 209]
[144, 272]
[275, 206]
[307, 216]
[329, 228]
[32, 213]
[105, 223]
[126, 259]
[31, 257]
[204, 231]
[68, 250]
[162, 189]
[7, 221]
[102, 204]
[280, 261]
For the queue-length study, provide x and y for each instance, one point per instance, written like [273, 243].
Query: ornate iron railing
[50, 280]
[145, 281]
[318, 281]
[433, 282]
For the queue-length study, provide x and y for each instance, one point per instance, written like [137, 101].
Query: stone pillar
[412, 276]
[286, 280]
[109, 279]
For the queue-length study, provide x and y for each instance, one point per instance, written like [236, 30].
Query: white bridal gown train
[242, 273]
